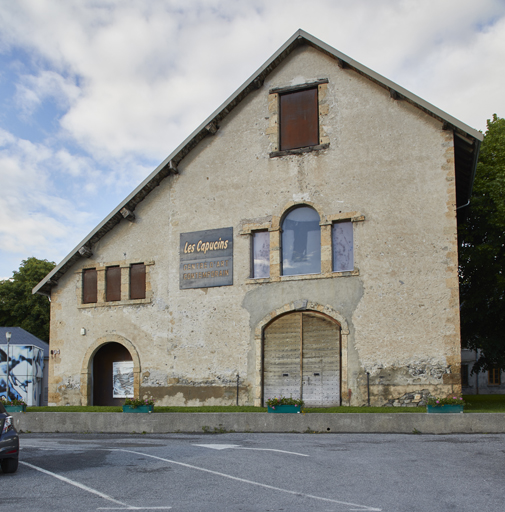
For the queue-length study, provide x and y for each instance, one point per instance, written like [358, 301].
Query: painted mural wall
[26, 369]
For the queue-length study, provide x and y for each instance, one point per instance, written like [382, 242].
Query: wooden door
[302, 358]
[281, 367]
[102, 373]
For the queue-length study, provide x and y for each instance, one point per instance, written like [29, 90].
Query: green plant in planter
[450, 400]
[5, 401]
[138, 402]
[274, 402]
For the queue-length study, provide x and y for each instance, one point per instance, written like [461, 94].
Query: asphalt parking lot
[257, 472]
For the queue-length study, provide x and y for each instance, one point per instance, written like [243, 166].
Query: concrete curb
[96, 422]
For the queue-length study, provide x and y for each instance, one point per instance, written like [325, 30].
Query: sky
[94, 94]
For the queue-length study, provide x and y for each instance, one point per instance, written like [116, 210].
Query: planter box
[140, 408]
[285, 408]
[15, 408]
[444, 408]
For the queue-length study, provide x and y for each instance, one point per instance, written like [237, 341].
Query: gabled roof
[467, 143]
[22, 337]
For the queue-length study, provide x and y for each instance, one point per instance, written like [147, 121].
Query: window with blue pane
[301, 242]
[261, 254]
[343, 246]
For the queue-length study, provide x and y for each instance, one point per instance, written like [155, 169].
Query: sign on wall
[122, 379]
[206, 258]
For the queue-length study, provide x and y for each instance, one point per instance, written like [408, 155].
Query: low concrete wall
[258, 422]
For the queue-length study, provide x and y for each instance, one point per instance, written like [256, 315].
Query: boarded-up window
[494, 376]
[89, 289]
[113, 284]
[138, 281]
[261, 254]
[343, 246]
[299, 119]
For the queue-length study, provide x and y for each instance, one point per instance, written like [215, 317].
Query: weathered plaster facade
[385, 164]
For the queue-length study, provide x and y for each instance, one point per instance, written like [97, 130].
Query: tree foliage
[18, 306]
[482, 254]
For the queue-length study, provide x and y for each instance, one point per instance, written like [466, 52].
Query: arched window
[301, 242]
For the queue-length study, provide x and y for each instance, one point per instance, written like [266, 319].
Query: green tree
[482, 254]
[18, 306]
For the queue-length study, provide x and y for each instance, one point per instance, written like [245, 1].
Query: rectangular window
[342, 246]
[464, 375]
[138, 281]
[89, 288]
[493, 376]
[299, 119]
[261, 254]
[113, 284]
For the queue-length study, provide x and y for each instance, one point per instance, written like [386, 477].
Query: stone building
[302, 240]
[489, 382]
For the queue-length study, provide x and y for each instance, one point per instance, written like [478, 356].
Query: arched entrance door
[103, 364]
[301, 358]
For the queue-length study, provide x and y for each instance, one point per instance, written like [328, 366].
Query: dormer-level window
[299, 119]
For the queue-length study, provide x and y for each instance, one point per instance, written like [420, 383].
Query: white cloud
[33, 90]
[132, 79]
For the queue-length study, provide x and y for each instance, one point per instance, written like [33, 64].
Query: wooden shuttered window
[89, 288]
[113, 284]
[299, 119]
[138, 281]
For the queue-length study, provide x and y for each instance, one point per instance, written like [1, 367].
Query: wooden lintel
[393, 94]
[85, 252]
[211, 128]
[127, 214]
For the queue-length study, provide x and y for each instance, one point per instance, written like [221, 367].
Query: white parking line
[295, 493]
[93, 491]
[238, 447]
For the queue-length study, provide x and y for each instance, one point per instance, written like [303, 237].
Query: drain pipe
[238, 378]
[368, 387]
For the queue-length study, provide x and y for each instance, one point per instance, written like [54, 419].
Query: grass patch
[76, 408]
[484, 403]
[366, 410]
[475, 403]
[230, 409]
[212, 408]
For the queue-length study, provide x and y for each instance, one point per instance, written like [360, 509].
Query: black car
[9, 442]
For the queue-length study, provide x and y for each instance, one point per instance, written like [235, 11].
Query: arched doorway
[103, 366]
[301, 358]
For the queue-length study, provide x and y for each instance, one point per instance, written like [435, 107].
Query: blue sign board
[206, 258]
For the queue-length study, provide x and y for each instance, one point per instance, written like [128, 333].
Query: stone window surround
[273, 110]
[274, 227]
[125, 285]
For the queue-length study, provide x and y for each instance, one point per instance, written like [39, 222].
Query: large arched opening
[110, 361]
[302, 358]
[108, 385]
